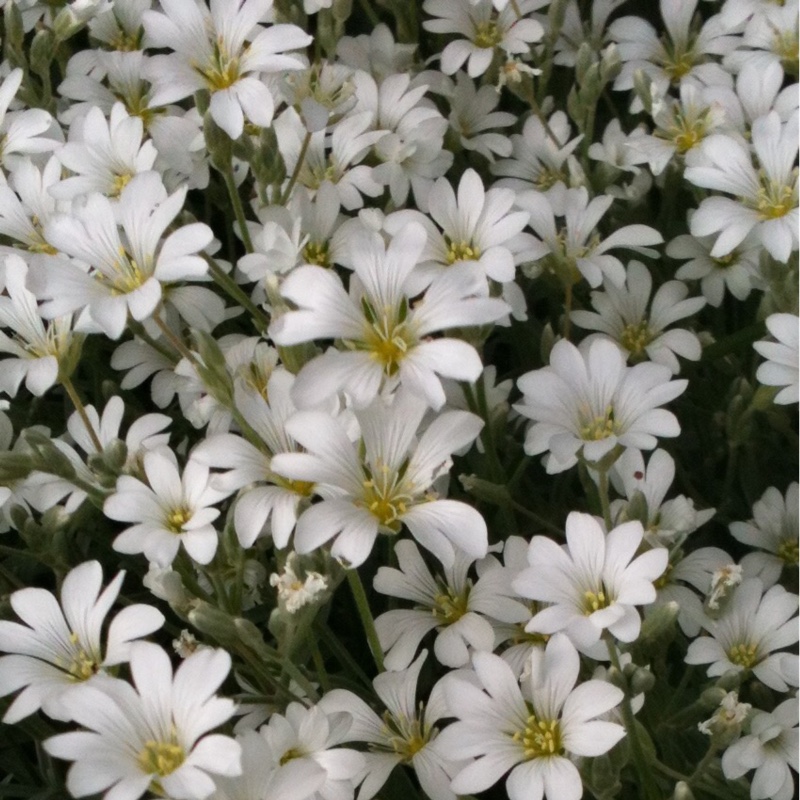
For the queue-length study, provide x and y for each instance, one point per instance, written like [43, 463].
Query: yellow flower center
[744, 655]
[291, 754]
[593, 429]
[594, 601]
[387, 336]
[679, 61]
[540, 738]
[462, 251]
[450, 606]
[127, 42]
[161, 758]
[222, 71]
[406, 736]
[775, 200]
[635, 337]
[120, 182]
[661, 582]
[723, 262]
[177, 519]
[789, 552]
[385, 496]
[785, 46]
[82, 664]
[487, 34]
[317, 253]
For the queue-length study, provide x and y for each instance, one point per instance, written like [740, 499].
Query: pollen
[594, 601]
[450, 605]
[744, 655]
[222, 69]
[120, 182]
[385, 496]
[775, 200]
[405, 736]
[387, 336]
[177, 519]
[317, 254]
[635, 337]
[161, 758]
[291, 754]
[599, 427]
[540, 738]
[487, 34]
[462, 251]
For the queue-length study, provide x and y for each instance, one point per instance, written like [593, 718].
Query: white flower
[782, 367]
[19, 130]
[383, 482]
[39, 353]
[537, 160]
[334, 158]
[301, 747]
[484, 31]
[622, 315]
[766, 195]
[174, 509]
[478, 229]
[749, 635]
[534, 731]
[462, 613]
[679, 54]
[736, 272]
[212, 52]
[575, 248]
[388, 341]
[770, 748]
[405, 733]
[588, 403]
[594, 582]
[104, 153]
[60, 646]
[666, 523]
[126, 272]
[143, 434]
[473, 116]
[774, 528]
[151, 737]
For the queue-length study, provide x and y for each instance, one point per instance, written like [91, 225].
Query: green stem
[341, 653]
[362, 604]
[139, 330]
[319, 664]
[297, 167]
[647, 785]
[229, 285]
[79, 407]
[369, 12]
[668, 771]
[604, 500]
[704, 762]
[567, 309]
[175, 341]
[238, 208]
[541, 521]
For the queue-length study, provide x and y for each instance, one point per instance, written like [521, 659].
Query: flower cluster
[425, 372]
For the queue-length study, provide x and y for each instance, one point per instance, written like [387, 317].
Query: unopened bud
[682, 791]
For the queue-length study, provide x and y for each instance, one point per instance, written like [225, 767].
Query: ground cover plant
[399, 399]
